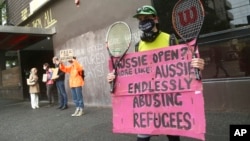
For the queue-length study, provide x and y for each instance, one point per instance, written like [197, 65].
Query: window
[224, 41]
[3, 13]
[11, 59]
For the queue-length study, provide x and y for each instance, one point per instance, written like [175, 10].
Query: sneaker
[60, 107]
[64, 107]
[75, 113]
[80, 113]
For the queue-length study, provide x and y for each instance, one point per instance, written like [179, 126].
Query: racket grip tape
[197, 71]
[112, 84]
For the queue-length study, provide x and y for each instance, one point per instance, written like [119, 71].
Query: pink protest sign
[156, 93]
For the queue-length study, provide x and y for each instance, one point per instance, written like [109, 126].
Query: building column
[2, 64]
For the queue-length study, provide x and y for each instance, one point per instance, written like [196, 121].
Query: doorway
[35, 56]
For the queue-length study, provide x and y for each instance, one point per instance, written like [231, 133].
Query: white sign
[67, 54]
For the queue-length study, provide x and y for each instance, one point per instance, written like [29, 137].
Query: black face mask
[146, 26]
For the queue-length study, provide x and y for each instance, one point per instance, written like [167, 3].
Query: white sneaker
[75, 113]
[80, 113]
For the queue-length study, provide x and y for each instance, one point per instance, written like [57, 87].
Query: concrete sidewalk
[18, 122]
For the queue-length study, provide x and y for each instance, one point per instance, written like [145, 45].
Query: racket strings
[119, 38]
[188, 18]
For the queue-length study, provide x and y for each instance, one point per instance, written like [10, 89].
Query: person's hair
[55, 58]
[46, 65]
[33, 69]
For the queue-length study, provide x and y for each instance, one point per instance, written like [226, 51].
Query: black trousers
[170, 138]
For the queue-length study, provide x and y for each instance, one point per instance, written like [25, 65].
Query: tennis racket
[118, 40]
[187, 19]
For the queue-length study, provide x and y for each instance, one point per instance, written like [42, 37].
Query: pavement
[19, 122]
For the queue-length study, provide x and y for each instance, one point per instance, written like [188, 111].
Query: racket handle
[196, 70]
[112, 84]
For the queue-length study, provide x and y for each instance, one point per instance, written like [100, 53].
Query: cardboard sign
[66, 55]
[156, 93]
[55, 73]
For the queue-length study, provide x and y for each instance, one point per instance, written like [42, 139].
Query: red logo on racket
[188, 16]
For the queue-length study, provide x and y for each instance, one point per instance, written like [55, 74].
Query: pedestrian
[34, 88]
[76, 83]
[218, 59]
[59, 80]
[153, 38]
[49, 84]
[244, 60]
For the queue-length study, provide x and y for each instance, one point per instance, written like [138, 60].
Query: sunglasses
[144, 9]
